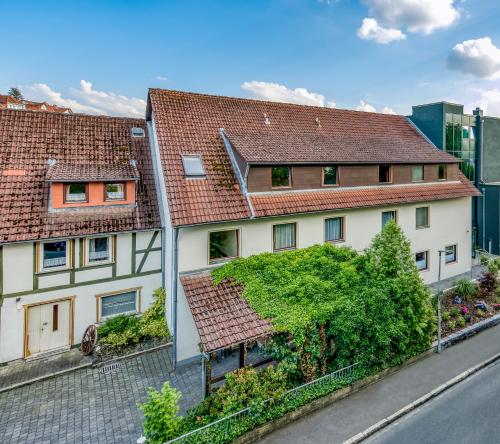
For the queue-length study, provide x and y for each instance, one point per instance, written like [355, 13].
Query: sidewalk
[346, 418]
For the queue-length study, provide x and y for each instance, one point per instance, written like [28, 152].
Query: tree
[15, 93]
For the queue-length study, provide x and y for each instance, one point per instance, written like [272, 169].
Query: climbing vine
[331, 306]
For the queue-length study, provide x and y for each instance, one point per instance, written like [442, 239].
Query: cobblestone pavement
[87, 406]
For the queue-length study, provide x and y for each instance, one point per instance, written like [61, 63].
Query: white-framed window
[126, 302]
[334, 229]
[450, 254]
[388, 216]
[223, 245]
[54, 255]
[99, 249]
[422, 217]
[422, 260]
[75, 192]
[284, 236]
[115, 191]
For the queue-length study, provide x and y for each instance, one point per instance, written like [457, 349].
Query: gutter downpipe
[175, 280]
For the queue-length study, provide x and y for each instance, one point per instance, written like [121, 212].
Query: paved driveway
[87, 406]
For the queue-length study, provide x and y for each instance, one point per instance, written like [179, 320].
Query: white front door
[48, 327]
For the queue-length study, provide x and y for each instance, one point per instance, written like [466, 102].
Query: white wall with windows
[448, 224]
[91, 302]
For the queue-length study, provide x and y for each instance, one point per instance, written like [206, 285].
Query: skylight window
[138, 132]
[193, 166]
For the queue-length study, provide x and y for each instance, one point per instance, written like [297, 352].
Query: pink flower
[464, 309]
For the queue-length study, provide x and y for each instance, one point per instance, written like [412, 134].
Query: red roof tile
[61, 172]
[188, 123]
[29, 139]
[222, 317]
[292, 202]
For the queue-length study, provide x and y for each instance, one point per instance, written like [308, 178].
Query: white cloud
[363, 106]
[424, 16]
[387, 110]
[90, 100]
[479, 57]
[371, 30]
[489, 101]
[162, 78]
[280, 93]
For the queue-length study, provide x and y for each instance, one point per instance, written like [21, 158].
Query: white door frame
[26, 308]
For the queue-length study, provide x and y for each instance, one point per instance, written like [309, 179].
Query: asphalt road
[467, 413]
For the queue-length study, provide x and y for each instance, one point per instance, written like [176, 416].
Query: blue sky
[406, 53]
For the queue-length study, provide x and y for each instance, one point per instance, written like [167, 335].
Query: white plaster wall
[450, 223]
[12, 313]
[17, 267]
[123, 254]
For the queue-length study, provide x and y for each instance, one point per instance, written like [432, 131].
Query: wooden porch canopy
[222, 316]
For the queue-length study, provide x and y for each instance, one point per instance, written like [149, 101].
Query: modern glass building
[475, 139]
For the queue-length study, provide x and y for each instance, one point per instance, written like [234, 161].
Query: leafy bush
[123, 330]
[452, 324]
[455, 311]
[339, 306]
[461, 321]
[161, 420]
[445, 316]
[466, 289]
[488, 284]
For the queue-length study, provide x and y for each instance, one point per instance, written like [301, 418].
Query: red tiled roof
[29, 139]
[188, 123]
[222, 317]
[284, 203]
[345, 137]
[60, 172]
[33, 106]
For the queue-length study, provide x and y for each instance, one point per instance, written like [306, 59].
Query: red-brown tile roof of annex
[222, 317]
[29, 139]
[189, 123]
[286, 203]
[64, 172]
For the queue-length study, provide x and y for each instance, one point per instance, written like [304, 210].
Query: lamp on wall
[18, 303]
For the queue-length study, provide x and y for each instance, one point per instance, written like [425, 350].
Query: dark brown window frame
[423, 173]
[342, 230]
[327, 185]
[282, 187]
[294, 247]
[390, 173]
[445, 167]
[427, 260]
[455, 246]
[115, 183]
[420, 227]
[65, 191]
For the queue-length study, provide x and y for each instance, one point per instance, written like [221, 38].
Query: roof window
[193, 166]
[138, 132]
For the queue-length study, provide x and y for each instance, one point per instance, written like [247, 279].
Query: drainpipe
[175, 280]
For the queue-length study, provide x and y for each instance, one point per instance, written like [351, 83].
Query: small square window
[284, 236]
[98, 249]
[442, 172]
[330, 175]
[76, 192]
[54, 254]
[422, 217]
[384, 174]
[334, 229]
[450, 254]
[422, 261]
[281, 177]
[388, 216]
[116, 304]
[115, 191]
[193, 166]
[417, 173]
[223, 245]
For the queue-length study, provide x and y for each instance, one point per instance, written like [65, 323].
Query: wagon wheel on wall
[89, 340]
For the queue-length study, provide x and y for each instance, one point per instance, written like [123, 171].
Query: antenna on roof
[318, 122]
[267, 120]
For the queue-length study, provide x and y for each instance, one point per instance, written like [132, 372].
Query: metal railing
[203, 434]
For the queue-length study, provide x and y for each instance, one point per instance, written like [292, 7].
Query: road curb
[420, 401]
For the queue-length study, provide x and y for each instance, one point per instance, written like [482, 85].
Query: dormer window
[193, 166]
[281, 177]
[115, 191]
[75, 193]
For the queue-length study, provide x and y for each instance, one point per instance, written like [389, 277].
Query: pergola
[223, 320]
